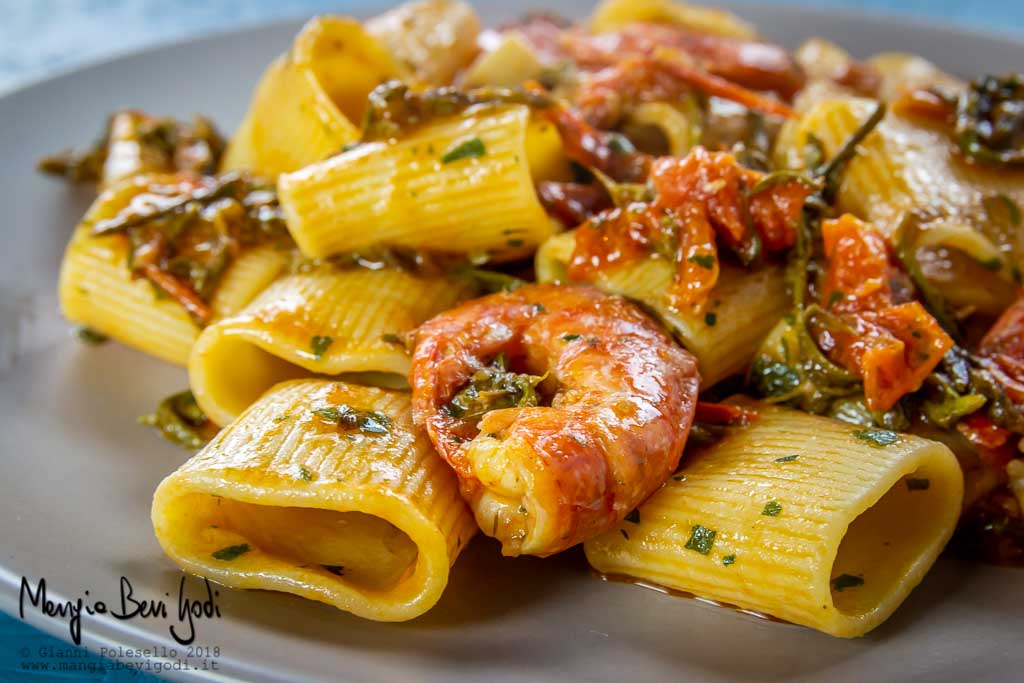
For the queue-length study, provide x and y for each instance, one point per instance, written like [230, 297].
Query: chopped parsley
[844, 581]
[772, 378]
[335, 569]
[706, 261]
[624, 534]
[319, 345]
[710, 319]
[619, 143]
[570, 337]
[787, 458]
[729, 559]
[474, 147]
[305, 474]
[392, 338]
[539, 308]
[995, 264]
[633, 516]
[771, 509]
[348, 418]
[701, 539]
[834, 298]
[917, 484]
[492, 388]
[876, 438]
[678, 477]
[231, 552]
[87, 335]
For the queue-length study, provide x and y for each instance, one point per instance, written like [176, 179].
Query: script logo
[125, 607]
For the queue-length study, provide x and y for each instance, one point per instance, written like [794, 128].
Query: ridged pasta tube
[310, 102]
[97, 289]
[365, 518]
[742, 309]
[461, 184]
[805, 518]
[327, 321]
[613, 14]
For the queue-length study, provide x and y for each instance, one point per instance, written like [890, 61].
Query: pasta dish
[743, 322]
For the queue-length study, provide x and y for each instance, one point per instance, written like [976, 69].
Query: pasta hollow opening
[894, 533]
[237, 372]
[360, 549]
[365, 517]
[802, 517]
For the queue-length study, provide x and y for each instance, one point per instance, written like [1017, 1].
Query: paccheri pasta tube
[461, 183]
[98, 288]
[324, 490]
[724, 335]
[955, 220]
[310, 102]
[325, 321]
[809, 519]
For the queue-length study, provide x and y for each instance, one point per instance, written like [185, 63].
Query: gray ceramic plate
[77, 473]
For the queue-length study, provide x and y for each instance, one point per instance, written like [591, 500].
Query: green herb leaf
[305, 474]
[917, 484]
[619, 143]
[570, 337]
[474, 147]
[231, 552]
[844, 581]
[710, 319]
[787, 458]
[492, 388]
[320, 344]
[348, 418]
[771, 509]
[876, 438]
[87, 335]
[706, 261]
[335, 569]
[729, 559]
[633, 516]
[701, 539]
[181, 421]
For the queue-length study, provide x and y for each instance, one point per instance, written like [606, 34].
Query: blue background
[39, 36]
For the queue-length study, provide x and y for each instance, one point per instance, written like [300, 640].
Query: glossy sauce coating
[622, 398]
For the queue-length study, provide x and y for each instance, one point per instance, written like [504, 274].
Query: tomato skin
[892, 347]
[700, 199]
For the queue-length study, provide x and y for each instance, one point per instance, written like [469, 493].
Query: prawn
[559, 407]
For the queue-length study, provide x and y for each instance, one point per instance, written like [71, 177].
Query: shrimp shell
[622, 397]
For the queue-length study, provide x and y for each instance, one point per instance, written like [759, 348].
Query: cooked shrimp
[749, 63]
[618, 399]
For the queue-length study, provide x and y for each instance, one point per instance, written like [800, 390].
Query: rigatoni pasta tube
[310, 102]
[809, 519]
[97, 289]
[742, 309]
[433, 39]
[902, 166]
[326, 321]
[461, 184]
[363, 516]
[613, 14]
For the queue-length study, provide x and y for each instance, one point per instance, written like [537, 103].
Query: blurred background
[40, 36]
